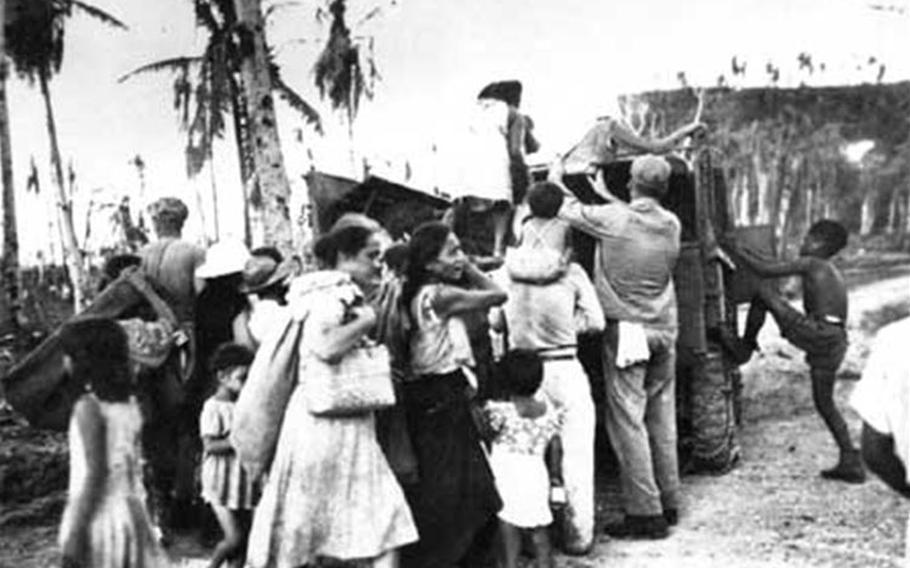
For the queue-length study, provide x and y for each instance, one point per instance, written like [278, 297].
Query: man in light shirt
[637, 248]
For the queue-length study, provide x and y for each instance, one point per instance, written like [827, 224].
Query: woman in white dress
[105, 523]
[331, 494]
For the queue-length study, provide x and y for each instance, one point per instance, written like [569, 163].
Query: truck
[707, 287]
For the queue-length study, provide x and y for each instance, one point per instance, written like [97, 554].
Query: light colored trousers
[566, 383]
[641, 423]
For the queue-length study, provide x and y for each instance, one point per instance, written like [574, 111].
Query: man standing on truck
[637, 248]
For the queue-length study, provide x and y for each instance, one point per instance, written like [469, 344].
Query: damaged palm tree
[34, 41]
[209, 85]
[9, 266]
[341, 74]
[269, 174]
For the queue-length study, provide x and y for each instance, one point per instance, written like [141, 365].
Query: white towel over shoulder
[633, 345]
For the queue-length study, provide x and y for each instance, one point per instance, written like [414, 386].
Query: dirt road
[772, 510]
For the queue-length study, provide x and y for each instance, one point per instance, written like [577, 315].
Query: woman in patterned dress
[331, 494]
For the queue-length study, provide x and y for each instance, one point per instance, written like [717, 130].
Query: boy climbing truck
[820, 331]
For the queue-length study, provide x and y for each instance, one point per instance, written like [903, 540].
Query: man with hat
[637, 248]
[268, 281]
[169, 264]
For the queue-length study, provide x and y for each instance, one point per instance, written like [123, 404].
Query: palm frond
[175, 64]
[97, 13]
[205, 17]
[369, 16]
[280, 6]
[296, 102]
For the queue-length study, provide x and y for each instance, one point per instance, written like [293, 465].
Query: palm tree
[341, 73]
[34, 35]
[9, 264]
[209, 85]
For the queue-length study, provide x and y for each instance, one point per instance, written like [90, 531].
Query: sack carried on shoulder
[259, 411]
[360, 382]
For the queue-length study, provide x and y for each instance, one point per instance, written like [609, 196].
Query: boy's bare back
[824, 291]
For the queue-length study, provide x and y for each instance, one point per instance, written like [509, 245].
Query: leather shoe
[671, 516]
[639, 527]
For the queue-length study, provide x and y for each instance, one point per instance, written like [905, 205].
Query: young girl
[230, 491]
[105, 522]
[525, 428]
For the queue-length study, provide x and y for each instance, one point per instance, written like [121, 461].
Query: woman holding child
[455, 496]
[330, 493]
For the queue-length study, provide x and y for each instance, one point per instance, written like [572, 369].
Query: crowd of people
[403, 438]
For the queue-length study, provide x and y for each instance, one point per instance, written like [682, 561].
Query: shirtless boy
[820, 332]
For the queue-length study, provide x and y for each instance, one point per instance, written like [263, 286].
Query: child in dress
[525, 458]
[105, 522]
[226, 486]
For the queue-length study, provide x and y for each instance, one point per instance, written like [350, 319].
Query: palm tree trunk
[9, 266]
[268, 162]
[244, 157]
[74, 260]
[214, 182]
[867, 213]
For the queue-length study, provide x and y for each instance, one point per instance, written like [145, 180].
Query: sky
[574, 57]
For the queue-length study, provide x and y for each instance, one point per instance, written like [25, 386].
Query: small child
[544, 247]
[230, 491]
[105, 522]
[525, 458]
[820, 332]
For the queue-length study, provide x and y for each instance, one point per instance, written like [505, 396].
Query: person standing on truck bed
[637, 248]
[496, 175]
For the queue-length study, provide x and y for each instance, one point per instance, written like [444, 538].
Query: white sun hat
[223, 258]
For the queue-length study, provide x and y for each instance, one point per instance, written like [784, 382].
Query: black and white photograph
[454, 284]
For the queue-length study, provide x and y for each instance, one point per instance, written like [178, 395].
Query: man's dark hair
[229, 355]
[524, 371]
[545, 199]
[832, 233]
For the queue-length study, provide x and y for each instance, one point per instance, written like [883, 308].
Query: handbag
[357, 383]
[259, 410]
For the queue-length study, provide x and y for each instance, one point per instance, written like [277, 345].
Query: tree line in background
[235, 79]
[787, 153]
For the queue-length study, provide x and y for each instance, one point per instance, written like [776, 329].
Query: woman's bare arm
[338, 340]
[90, 425]
[482, 293]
